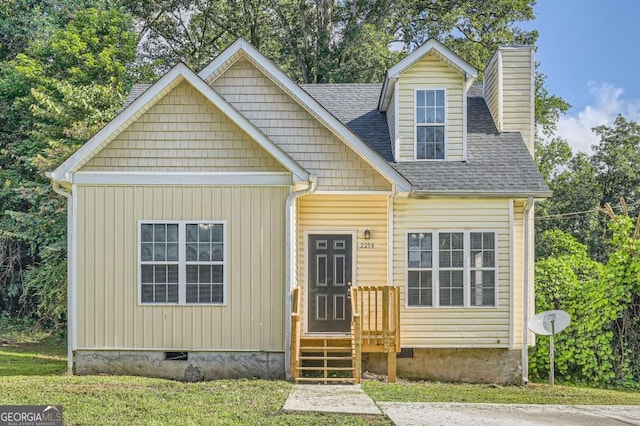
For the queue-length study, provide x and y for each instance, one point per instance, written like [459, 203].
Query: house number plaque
[367, 245]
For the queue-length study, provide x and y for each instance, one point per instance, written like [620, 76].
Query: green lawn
[533, 393]
[34, 373]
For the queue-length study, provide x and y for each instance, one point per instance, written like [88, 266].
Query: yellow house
[233, 223]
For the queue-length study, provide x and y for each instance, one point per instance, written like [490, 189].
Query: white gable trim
[310, 104]
[160, 88]
[394, 72]
[182, 178]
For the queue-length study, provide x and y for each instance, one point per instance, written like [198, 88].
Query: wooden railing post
[295, 333]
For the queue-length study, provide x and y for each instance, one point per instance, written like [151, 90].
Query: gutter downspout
[288, 268]
[525, 296]
[70, 284]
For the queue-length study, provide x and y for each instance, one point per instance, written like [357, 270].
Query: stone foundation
[199, 366]
[501, 366]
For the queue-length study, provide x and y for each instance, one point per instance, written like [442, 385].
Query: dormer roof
[430, 47]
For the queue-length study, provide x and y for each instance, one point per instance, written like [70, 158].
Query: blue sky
[590, 52]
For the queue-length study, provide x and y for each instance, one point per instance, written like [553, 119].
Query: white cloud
[606, 105]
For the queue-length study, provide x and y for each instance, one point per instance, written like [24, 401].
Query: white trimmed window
[430, 124]
[182, 262]
[451, 269]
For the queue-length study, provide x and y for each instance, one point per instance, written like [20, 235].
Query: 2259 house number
[367, 245]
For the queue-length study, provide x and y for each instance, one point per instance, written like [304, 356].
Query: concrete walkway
[418, 413]
[344, 399]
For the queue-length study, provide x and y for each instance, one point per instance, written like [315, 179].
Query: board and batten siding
[329, 213]
[183, 132]
[108, 313]
[430, 73]
[491, 85]
[296, 130]
[454, 327]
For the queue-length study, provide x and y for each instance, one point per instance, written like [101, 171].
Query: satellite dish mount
[548, 323]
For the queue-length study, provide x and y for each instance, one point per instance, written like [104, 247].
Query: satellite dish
[542, 322]
[548, 323]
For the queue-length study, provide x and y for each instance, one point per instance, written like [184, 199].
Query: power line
[570, 214]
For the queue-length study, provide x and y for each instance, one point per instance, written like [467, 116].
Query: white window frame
[182, 262]
[435, 269]
[416, 124]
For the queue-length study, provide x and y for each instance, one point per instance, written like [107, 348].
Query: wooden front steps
[325, 360]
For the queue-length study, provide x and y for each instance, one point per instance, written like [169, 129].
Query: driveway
[419, 413]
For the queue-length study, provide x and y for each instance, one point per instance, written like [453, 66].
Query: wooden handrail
[376, 322]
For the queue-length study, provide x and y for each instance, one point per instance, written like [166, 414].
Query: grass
[533, 393]
[33, 372]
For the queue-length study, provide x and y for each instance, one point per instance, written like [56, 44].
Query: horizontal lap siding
[107, 237]
[183, 131]
[347, 213]
[430, 72]
[391, 122]
[453, 327]
[295, 130]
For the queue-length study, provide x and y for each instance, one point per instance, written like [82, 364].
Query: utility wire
[570, 214]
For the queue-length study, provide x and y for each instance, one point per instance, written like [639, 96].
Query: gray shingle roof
[496, 163]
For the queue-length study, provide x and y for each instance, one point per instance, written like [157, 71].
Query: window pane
[146, 233]
[425, 241]
[431, 115]
[205, 274]
[159, 252]
[172, 252]
[147, 293]
[476, 240]
[172, 274]
[439, 111]
[217, 274]
[489, 259]
[438, 135]
[457, 240]
[421, 134]
[457, 259]
[192, 293]
[204, 232]
[147, 274]
[445, 241]
[160, 274]
[420, 115]
[431, 97]
[445, 259]
[217, 295]
[172, 293]
[414, 241]
[160, 293]
[192, 233]
[146, 252]
[204, 252]
[422, 151]
[204, 295]
[172, 232]
[419, 289]
[456, 297]
[440, 97]
[217, 252]
[421, 98]
[159, 233]
[426, 260]
[192, 274]
[414, 259]
[439, 154]
[488, 240]
[217, 234]
[192, 252]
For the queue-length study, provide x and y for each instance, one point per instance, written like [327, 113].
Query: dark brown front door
[329, 281]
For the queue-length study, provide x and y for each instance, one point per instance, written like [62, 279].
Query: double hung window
[430, 124]
[451, 269]
[182, 262]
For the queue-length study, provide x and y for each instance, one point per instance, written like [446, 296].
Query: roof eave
[482, 194]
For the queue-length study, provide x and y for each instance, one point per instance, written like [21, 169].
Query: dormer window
[430, 124]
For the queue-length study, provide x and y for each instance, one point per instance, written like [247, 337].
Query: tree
[56, 94]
